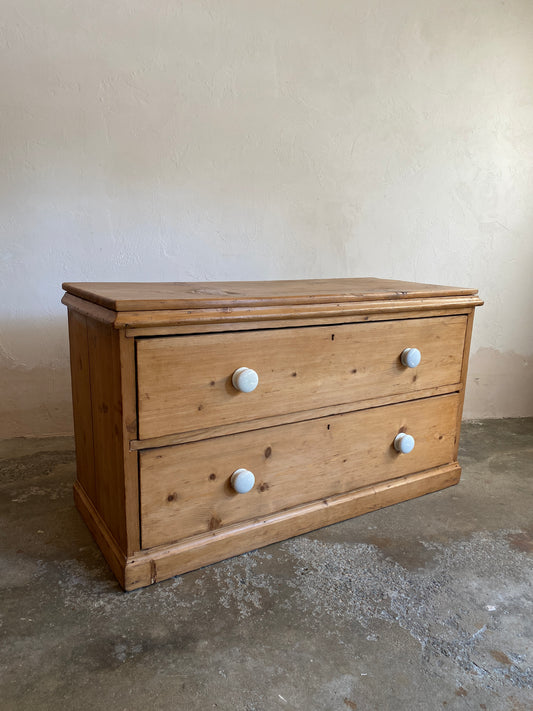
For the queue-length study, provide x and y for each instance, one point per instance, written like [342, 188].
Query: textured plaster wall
[259, 140]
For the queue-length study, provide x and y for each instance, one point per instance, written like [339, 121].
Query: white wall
[257, 140]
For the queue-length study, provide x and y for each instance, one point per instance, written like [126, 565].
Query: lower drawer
[185, 489]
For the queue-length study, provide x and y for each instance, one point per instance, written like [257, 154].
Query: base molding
[100, 532]
[162, 562]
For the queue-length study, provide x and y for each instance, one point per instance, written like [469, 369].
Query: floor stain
[500, 657]
[522, 541]
[410, 554]
[361, 582]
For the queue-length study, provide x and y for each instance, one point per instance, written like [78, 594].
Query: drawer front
[186, 489]
[185, 382]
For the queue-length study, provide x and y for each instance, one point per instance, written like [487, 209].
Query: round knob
[411, 357]
[242, 480]
[245, 380]
[404, 443]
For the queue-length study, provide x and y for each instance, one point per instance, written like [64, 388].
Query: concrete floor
[425, 605]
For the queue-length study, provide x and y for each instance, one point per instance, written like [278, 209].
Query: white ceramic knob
[242, 480]
[411, 357]
[245, 380]
[404, 443]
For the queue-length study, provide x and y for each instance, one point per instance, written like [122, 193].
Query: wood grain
[184, 383]
[161, 563]
[141, 319]
[105, 419]
[464, 373]
[167, 306]
[235, 427]
[153, 296]
[317, 433]
[105, 540]
[81, 402]
[106, 406]
[128, 382]
[86, 308]
[178, 328]
[185, 489]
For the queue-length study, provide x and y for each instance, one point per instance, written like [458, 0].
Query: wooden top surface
[155, 296]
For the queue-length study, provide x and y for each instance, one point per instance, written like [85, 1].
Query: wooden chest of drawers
[211, 419]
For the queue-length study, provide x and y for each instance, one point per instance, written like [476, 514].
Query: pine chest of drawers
[214, 418]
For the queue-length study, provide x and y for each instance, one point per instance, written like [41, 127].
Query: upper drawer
[185, 382]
